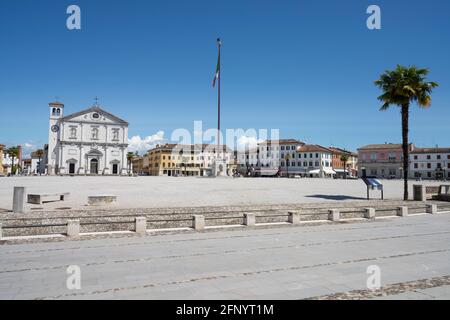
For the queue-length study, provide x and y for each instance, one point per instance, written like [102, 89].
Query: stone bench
[423, 193]
[444, 193]
[101, 200]
[40, 198]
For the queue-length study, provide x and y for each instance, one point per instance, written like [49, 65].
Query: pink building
[381, 160]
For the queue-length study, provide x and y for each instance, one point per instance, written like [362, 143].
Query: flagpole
[219, 44]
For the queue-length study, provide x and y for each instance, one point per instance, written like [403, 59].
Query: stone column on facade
[106, 166]
[62, 168]
[81, 166]
[60, 157]
[124, 162]
[107, 169]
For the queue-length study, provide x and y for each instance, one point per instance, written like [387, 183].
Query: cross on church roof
[96, 101]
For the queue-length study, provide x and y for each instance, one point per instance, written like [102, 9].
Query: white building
[7, 163]
[247, 160]
[287, 157]
[206, 155]
[313, 160]
[34, 165]
[91, 141]
[430, 163]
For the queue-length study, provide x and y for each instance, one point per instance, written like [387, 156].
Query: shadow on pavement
[334, 197]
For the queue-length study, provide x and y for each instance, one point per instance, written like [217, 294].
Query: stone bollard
[19, 199]
[249, 219]
[140, 225]
[419, 192]
[294, 217]
[402, 211]
[333, 215]
[73, 228]
[198, 222]
[369, 213]
[432, 208]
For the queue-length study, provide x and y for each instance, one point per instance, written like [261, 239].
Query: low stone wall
[106, 221]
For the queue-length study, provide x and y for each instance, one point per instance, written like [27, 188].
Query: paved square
[152, 192]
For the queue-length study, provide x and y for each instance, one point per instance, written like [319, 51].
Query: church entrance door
[115, 169]
[72, 168]
[94, 166]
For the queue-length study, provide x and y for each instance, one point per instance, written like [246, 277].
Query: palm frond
[405, 85]
[385, 106]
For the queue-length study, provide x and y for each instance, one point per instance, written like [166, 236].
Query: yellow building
[2, 147]
[186, 160]
[172, 160]
[137, 164]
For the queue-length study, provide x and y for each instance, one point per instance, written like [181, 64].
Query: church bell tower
[56, 113]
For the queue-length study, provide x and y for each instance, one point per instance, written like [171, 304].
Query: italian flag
[216, 76]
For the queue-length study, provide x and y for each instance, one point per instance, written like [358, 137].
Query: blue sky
[304, 67]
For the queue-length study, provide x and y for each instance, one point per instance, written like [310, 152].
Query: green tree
[130, 157]
[401, 87]
[344, 158]
[13, 152]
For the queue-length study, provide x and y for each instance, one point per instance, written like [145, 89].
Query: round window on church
[95, 116]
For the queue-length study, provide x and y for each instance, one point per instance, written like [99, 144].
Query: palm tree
[344, 159]
[130, 156]
[401, 87]
[13, 152]
[40, 154]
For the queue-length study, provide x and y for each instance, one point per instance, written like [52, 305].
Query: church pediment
[94, 152]
[94, 114]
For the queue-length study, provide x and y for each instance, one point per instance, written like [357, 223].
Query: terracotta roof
[56, 104]
[166, 146]
[313, 148]
[187, 147]
[431, 150]
[283, 141]
[340, 151]
[382, 146]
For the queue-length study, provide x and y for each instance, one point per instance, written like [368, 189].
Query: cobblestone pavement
[318, 262]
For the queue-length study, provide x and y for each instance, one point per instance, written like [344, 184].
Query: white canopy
[326, 171]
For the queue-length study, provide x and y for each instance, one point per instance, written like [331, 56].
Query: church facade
[89, 142]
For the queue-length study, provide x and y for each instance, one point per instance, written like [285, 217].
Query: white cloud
[28, 145]
[142, 145]
[27, 148]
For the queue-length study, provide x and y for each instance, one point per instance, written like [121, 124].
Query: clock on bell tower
[56, 113]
